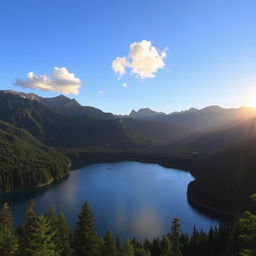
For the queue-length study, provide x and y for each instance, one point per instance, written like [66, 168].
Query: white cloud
[124, 85]
[60, 80]
[101, 92]
[119, 65]
[144, 60]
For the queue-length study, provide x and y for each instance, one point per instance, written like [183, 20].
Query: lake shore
[196, 203]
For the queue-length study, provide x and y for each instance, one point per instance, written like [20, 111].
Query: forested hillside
[24, 161]
[221, 158]
[225, 179]
[62, 130]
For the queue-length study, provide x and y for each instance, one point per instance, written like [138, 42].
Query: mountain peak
[212, 107]
[30, 96]
[144, 113]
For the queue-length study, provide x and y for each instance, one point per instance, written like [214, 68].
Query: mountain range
[210, 142]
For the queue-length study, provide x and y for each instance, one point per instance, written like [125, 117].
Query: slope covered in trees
[225, 179]
[24, 161]
[51, 127]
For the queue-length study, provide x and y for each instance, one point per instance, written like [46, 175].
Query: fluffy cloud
[60, 80]
[144, 60]
[124, 85]
[119, 65]
[101, 92]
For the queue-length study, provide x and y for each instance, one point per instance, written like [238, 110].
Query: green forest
[49, 234]
[24, 161]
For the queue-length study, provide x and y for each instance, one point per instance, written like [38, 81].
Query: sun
[252, 100]
[249, 98]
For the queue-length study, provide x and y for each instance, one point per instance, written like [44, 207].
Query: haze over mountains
[214, 143]
[61, 121]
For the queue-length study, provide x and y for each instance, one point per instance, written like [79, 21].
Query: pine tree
[141, 252]
[30, 217]
[62, 237]
[6, 219]
[8, 240]
[248, 228]
[109, 247]
[42, 239]
[24, 232]
[175, 237]
[85, 238]
[167, 247]
[128, 249]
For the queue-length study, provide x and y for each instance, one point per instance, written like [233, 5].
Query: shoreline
[80, 164]
[45, 184]
[51, 181]
[167, 164]
[211, 208]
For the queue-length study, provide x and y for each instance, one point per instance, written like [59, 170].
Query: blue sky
[211, 57]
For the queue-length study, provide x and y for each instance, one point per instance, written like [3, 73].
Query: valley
[219, 152]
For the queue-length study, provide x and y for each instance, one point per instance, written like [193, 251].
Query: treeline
[24, 161]
[225, 179]
[50, 235]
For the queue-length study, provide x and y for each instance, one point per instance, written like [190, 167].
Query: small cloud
[101, 92]
[124, 85]
[119, 65]
[144, 60]
[60, 80]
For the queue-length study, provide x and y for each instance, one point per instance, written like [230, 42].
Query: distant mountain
[24, 161]
[206, 118]
[145, 113]
[54, 127]
[63, 104]
[222, 137]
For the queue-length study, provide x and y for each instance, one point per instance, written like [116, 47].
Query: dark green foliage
[24, 161]
[8, 240]
[109, 247]
[175, 238]
[42, 241]
[248, 232]
[6, 220]
[85, 239]
[51, 126]
[24, 232]
[167, 247]
[50, 235]
[62, 237]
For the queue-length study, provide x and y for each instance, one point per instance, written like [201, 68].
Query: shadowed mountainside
[66, 130]
[24, 161]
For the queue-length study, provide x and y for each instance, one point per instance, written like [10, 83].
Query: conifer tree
[141, 252]
[42, 239]
[8, 240]
[109, 247]
[248, 228]
[25, 230]
[62, 237]
[6, 219]
[85, 238]
[30, 217]
[167, 247]
[128, 249]
[175, 237]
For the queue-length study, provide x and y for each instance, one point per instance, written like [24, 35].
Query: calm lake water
[132, 199]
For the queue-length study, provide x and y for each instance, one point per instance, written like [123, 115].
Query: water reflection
[133, 199]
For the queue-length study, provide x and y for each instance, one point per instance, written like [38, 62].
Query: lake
[132, 199]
